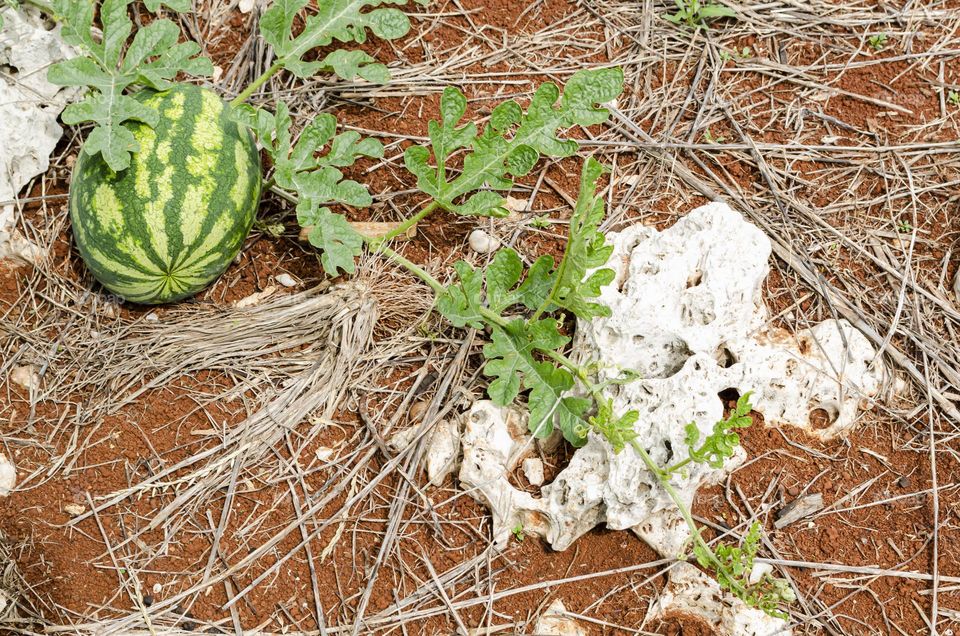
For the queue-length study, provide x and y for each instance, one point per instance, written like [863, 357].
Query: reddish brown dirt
[161, 426]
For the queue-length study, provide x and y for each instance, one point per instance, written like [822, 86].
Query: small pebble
[904, 482]
[157, 588]
[418, 409]
[152, 317]
[483, 243]
[26, 376]
[533, 471]
[286, 280]
[74, 510]
[793, 491]
[148, 600]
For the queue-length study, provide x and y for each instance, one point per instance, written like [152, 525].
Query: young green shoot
[877, 41]
[696, 15]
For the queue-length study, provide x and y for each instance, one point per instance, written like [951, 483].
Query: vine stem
[377, 241]
[255, 84]
[664, 478]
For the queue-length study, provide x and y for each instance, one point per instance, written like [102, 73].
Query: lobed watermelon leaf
[512, 142]
[340, 20]
[313, 174]
[480, 297]
[153, 58]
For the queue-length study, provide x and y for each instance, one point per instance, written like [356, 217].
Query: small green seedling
[742, 54]
[518, 532]
[953, 98]
[878, 41]
[710, 139]
[696, 15]
[904, 227]
[540, 222]
[768, 594]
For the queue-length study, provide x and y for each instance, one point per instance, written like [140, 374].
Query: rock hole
[669, 447]
[821, 419]
[724, 357]
[694, 279]
[729, 397]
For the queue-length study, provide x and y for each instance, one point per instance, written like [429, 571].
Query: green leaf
[586, 249]
[340, 20]
[501, 276]
[152, 59]
[309, 167]
[460, 303]
[510, 361]
[716, 11]
[512, 142]
[619, 431]
[180, 6]
[538, 283]
[352, 64]
[338, 243]
[721, 444]
[112, 140]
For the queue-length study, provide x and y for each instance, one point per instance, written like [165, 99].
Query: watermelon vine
[155, 229]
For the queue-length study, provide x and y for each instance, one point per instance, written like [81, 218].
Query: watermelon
[167, 226]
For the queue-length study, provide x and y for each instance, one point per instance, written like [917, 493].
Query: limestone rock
[443, 451]
[690, 591]
[8, 475]
[26, 376]
[29, 107]
[687, 314]
[555, 622]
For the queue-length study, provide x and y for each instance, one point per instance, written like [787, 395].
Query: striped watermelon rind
[171, 223]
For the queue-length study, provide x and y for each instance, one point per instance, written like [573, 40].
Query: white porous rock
[690, 591]
[8, 476]
[29, 107]
[687, 315]
[483, 243]
[443, 451]
[555, 622]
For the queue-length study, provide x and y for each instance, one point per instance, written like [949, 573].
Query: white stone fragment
[255, 298]
[286, 280]
[443, 451]
[759, 571]
[692, 592]
[26, 376]
[74, 510]
[532, 469]
[8, 476]
[483, 243]
[29, 107]
[555, 622]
